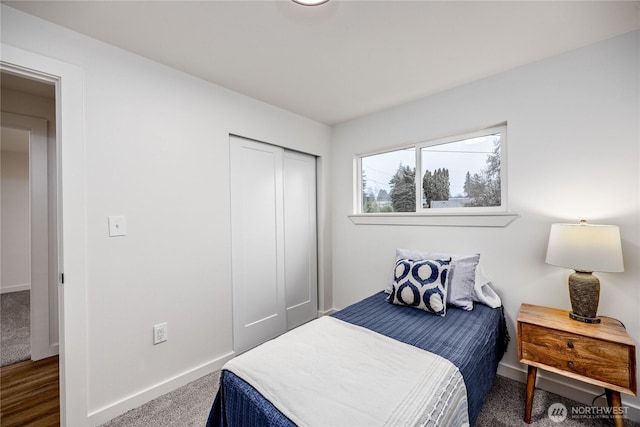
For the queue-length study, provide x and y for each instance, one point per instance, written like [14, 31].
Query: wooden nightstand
[601, 354]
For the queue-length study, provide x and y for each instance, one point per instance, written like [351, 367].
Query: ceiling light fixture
[310, 2]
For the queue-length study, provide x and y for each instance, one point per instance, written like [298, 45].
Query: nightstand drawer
[577, 345]
[597, 359]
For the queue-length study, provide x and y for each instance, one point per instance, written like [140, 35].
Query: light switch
[117, 226]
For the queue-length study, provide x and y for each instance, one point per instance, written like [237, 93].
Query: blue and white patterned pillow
[421, 284]
[462, 275]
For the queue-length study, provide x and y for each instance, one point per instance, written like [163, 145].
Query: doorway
[29, 250]
[29, 208]
[70, 220]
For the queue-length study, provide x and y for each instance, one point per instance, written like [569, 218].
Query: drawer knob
[570, 364]
[570, 344]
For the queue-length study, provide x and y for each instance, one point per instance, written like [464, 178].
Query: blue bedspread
[474, 341]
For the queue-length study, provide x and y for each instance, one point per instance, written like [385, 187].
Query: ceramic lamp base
[584, 292]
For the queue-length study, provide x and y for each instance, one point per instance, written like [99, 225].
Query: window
[388, 181]
[460, 174]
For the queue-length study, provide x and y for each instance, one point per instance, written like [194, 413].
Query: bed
[473, 341]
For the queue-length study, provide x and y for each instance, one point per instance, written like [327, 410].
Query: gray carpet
[185, 407]
[15, 331]
[504, 407]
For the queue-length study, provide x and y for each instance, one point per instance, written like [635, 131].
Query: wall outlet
[160, 333]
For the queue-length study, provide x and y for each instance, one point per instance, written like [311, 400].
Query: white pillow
[483, 292]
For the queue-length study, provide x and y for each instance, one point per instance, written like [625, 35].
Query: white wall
[157, 152]
[573, 152]
[16, 275]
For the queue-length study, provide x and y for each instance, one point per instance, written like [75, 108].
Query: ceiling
[26, 85]
[343, 59]
[17, 140]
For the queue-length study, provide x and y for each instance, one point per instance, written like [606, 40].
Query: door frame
[70, 160]
[42, 345]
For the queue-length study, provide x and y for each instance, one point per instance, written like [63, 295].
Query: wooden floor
[29, 394]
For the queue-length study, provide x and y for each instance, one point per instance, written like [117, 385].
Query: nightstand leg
[531, 386]
[613, 398]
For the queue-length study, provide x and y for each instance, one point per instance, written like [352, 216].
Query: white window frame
[358, 200]
[502, 130]
[491, 216]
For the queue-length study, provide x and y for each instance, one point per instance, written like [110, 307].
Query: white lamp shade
[585, 247]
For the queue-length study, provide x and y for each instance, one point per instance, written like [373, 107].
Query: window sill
[444, 220]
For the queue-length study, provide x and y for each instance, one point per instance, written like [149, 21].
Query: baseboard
[15, 288]
[115, 409]
[326, 312]
[575, 390]
[51, 350]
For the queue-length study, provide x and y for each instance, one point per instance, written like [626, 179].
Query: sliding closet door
[301, 265]
[257, 242]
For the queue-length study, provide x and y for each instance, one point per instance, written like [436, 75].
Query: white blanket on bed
[331, 373]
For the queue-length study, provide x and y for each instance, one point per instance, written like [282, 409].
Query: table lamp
[585, 248]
